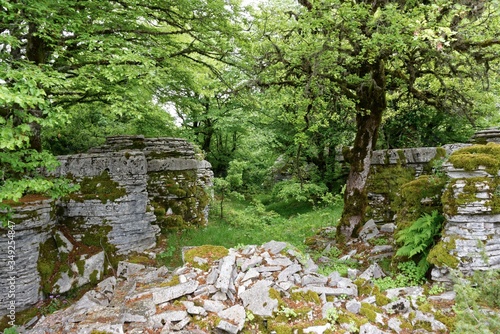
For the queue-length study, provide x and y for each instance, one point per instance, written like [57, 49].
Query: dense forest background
[269, 94]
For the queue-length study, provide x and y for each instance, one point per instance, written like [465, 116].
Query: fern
[419, 237]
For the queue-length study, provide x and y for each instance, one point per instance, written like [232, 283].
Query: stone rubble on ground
[228, 296]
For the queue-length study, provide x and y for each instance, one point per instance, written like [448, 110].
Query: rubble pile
[271, 288]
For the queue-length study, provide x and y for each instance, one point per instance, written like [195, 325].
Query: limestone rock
[258, 301]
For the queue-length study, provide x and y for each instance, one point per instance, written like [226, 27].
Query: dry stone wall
[130, 189]
[471, 203]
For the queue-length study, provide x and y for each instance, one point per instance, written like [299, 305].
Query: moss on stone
[208, 252]
[418, 197]
[369, 311]
[387, 181]
[470, 158]
[94, 277]
[100, 187]
[305, 296]
[48, 264]
[347, 317]
[440, 255]
[452, 201]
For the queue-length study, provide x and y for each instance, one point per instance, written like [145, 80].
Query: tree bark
[370, 107]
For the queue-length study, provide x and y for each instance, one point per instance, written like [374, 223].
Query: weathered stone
[388, 228]
[235, 314]
[127, 269]
[274, 247]
[316, 280]
[227, 327]
[213, 306]
[330, 291]
[258, 301]
[252, 262]
[167, 294]
[369, 231]
[294, 268]
[402, 305]
[317, 329]
[353, 306]
[251, 273]
[373, 271]
[435, 324]
[395, 325]
[370, 329]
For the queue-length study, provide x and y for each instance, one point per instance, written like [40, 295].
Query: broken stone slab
[382, 249]
[250, 274]
[369, 231]
[235, 314]
[370, 329]
[401, 305]
[388, 228]
[212, 276]
[316, 280]
[181, 324]
[395, 325]
[196, 310]
[353, 306]
[310, 266]
[435, 324]
[127, 269]
[174, 316]
[274, 247]
[373, 271]
[279, 261]
[258, 301]
[330, 291]
[447, 296]
[290, 270]
[227, 327]
[265, 269]
[317, 329]
[254, 261]
[213, 306]
[174, 292]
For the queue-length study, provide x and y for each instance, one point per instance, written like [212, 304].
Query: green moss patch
[100, 187]
[208, 252]
[440, 255]
[470, 158]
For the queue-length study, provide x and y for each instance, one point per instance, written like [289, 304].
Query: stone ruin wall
[131, 188]
[471, 234]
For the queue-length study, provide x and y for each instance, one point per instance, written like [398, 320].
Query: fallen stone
[370, 329]
[212, 276]
[395, 325]
[254, 261]
[258, 301]
[251, 273]
[235, 314]
[316, 280]
[274, 247]
[127, 269]
[330, 291]
[447, 296]
[388, 228]
[227, 327]
[401, 305]
[317, 329]
[213, 306]
[373, 271]
[226, 270]
[167, 294]
[294, 268]
[181, 324]
[264, 269]
[369, 231]
[435, 324]
[279, 261]
[353, 306]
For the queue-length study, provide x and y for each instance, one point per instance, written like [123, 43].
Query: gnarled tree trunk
[371, 105]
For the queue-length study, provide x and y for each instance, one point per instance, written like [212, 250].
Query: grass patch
[248, 222]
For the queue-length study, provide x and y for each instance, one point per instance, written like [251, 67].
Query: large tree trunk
[371, 105]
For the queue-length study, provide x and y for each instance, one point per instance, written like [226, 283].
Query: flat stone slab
[167, 294]
[258, 301]
[274, 247]
[226, 271]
